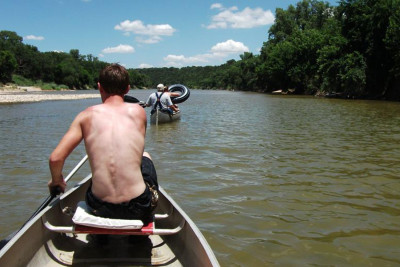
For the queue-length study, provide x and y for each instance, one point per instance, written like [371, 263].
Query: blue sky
[140, 33]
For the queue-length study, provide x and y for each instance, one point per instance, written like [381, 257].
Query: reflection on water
[269, 180]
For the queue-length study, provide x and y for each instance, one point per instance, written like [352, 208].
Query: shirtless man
[114, 136]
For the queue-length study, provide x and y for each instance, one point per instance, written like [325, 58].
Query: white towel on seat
[83, 217]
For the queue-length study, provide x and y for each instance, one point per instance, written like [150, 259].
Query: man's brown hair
[114, 79]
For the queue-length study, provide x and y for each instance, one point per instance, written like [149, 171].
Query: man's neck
[113, 99]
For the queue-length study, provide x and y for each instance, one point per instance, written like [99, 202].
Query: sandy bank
[22, 95]
[16, 89]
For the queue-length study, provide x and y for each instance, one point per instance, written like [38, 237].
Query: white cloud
[245, 19]
[33, 37]
[217, 52]
[229, 47]
[138, 27]
[187, 60]
[121, 49]
[217, 6]
[145, 66]
[150, 40]
[154, 31]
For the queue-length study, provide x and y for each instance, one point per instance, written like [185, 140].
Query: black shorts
[139, 208]
[149, 172]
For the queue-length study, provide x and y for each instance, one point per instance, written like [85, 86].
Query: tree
[312, 46]
[277, 60]
[367, 24]
[8, 65]
[392, 41]
[289, 57]
[28, 60]
[248, 64]
[138, 80]
[284, 26]
[9, 40]
[352, 74]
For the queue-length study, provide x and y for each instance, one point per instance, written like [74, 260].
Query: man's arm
[174, 108]
[174, 94]
[170, 104]
[149, 101]
[71, 139]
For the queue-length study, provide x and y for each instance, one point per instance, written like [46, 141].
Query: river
[269, 180]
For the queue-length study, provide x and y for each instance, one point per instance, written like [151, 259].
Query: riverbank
[26, 94]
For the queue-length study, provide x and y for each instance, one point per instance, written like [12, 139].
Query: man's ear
[99, 87]
[102, 92]
[127, 89]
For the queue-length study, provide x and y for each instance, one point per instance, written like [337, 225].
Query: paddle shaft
[46, 202]
[51, 197]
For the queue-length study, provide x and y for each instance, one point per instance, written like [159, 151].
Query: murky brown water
[269, 180]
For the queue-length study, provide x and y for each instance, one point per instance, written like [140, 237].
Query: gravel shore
[23, 95]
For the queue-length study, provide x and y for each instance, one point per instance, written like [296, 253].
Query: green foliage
[193, 77]
[8, 64]
[56, 69]
[138, 80]
[372, 28]
[290, 57]
[20, 80]
[53, 86]
[352, 49]
[352, 76]
[10, 41]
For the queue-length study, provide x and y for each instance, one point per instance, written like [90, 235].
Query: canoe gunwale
[188, 245]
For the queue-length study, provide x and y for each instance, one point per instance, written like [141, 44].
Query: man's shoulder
[135, 109]
[93, 108]
[86, 112]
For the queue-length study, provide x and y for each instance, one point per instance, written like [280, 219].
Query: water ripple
[270, 180]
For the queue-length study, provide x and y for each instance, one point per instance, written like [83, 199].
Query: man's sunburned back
[114, 135]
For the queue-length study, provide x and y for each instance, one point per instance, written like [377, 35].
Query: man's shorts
[139, 208]
[149, 172]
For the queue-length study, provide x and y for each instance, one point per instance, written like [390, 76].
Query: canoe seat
[82, 216]
[87, 223]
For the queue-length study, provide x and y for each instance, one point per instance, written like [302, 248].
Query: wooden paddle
[45, 203]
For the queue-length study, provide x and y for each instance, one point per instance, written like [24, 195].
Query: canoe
[164, 117]
[51, 239]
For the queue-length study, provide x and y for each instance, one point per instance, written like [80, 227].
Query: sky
[142, 34]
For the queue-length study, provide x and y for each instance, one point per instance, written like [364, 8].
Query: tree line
[71, 69]
[348, 50]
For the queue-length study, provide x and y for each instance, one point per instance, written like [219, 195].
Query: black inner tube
[130, 99]
[183, 90]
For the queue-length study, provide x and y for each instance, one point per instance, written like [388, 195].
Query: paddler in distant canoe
[161, 100]
[171, 94]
